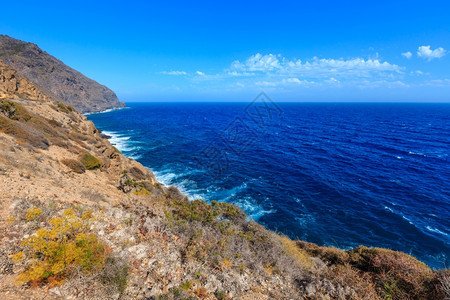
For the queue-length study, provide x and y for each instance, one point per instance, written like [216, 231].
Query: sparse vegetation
[65, 108]
[52, 253]
[24, 134]
[393, 274]
[33, 213]
[141, 192]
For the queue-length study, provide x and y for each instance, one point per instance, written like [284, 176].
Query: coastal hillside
[78, 219]
[54, 78]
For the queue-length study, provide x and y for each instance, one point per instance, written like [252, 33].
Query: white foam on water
[121, 141]
[429, 228]
[407, 219]
[105, 111]
[253, 209]
[165, 178]
[168, 177]
[389, 209]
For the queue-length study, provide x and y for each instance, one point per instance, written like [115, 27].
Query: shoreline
[105, 111]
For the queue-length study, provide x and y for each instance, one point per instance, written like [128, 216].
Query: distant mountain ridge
[57, 80]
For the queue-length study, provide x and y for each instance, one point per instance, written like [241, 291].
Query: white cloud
[257, 62]
[426, 52]
[316, 68]
[286, 82]
[274, 71]
[437, 82]
[175, 73]
[408, 54]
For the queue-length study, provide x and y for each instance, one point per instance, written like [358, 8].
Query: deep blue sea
[334, 174]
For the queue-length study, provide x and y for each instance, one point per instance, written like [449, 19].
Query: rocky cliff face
[14, 86]
[54, 78]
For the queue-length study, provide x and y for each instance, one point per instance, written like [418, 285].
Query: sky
[231, 50]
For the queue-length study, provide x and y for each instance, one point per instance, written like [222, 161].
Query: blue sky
[231, 50]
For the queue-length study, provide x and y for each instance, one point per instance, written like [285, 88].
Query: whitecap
[105, 111]
[429, 228]
[164, 177]
[120, 141]
[407, 219]
[389, 209]
[253, 209]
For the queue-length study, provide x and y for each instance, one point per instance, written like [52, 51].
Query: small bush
[74, 165]
[199, 210]
[141, 192]
[52, 254]
[90, 162]
[220, 295]
[187, 285]
[33, 213]
[64, 108]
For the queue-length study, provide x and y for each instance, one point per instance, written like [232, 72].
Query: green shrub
[187, 285]
[220, 295]
[199, 210]
[90, 162]
[65, 108]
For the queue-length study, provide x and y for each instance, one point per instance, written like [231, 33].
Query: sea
[335, 174]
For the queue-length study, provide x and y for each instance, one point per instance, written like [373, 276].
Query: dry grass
[93, 196]
[300, 256]
[395, 275]
[74, 165]
[24, 134]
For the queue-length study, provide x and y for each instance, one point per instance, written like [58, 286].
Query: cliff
[80, 220]
[54, 78]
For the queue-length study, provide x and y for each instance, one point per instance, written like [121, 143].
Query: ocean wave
[168, 177]
[429, 228]
[389, 209]
[121, 141]
[105, 111]
[253, 209]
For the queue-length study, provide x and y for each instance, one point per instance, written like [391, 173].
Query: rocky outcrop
[15, 86]
[54, 78]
